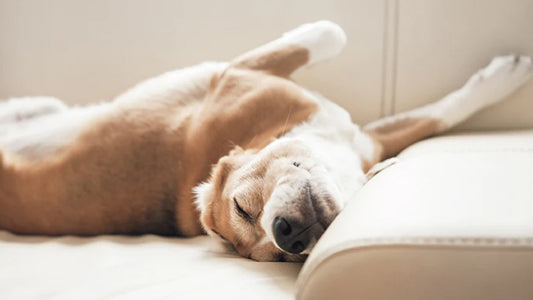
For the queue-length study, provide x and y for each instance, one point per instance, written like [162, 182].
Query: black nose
[291, 235]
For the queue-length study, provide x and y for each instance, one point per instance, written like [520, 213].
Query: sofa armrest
[452, 219]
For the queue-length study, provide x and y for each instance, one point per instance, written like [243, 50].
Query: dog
[236, 150]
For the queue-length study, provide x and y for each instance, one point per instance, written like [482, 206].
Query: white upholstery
[146, 267]
[452, 219]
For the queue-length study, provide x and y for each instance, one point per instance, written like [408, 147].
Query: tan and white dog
[236, 150]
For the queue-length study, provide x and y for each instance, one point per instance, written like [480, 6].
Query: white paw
[324, 39]
[500, 78]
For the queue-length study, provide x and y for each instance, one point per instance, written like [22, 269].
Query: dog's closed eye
[241, 212]
[296, 164]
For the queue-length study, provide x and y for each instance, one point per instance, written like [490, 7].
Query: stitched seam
[440, 241]
[486, 242]
[407, 156]
[466, 150]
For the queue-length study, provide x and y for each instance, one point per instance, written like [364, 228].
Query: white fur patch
[323, 39]
[18, 110]
[54, 128]
[338, 144]
[488, 86]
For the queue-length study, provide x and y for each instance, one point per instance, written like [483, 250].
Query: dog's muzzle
[295, 233]
[293, 236]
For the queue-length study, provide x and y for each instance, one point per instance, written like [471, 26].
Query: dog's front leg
[488, 86]
[303, 46]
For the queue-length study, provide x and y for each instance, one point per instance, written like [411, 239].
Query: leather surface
[452, 218]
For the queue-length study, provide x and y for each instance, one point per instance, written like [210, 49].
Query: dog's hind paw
[500, 78]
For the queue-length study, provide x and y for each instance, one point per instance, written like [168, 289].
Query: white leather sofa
[451, 219]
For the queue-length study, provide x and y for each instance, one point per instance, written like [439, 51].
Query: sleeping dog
[235, 150]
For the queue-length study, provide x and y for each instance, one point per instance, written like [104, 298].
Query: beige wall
[440, 43]
[399, 55]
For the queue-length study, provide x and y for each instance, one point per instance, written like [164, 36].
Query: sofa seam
[525, 149]
[464, 242]
[406, 156]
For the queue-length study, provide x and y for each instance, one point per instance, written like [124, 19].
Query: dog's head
[272, 204]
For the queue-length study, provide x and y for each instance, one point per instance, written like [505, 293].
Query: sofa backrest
[400, 54]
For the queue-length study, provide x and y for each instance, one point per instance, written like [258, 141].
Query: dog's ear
[209, 191]
[221, 172]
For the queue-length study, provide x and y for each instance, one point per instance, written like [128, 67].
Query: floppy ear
[209, 191]
[206, 192]
[302, 46]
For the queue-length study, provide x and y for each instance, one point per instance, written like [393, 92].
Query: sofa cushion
[451, 219]
[146, 267]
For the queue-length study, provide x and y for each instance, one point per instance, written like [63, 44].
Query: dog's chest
[337, 143]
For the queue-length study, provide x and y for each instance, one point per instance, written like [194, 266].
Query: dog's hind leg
[488, 86]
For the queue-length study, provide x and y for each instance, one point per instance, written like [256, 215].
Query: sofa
[450, 218]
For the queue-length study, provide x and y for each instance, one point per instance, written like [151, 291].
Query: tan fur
[281, 61]
[394, 135]
[388, 137]
[255, 187]
[134, 170]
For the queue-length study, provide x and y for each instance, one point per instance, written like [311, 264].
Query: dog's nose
[291, 235]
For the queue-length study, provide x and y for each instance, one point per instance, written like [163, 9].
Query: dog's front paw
[500, 78]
